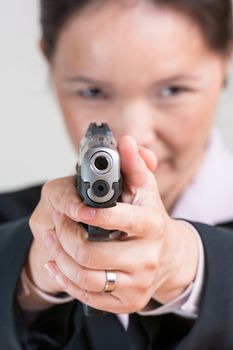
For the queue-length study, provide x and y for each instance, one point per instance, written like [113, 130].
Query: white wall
[33, 143]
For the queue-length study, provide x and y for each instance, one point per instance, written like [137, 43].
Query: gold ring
[110, 282]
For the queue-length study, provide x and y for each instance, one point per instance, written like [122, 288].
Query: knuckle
[63, 193]
[132, 221]
[82, 279]
[83, 257]
[35, 223]
[64, 226]
[76, 277]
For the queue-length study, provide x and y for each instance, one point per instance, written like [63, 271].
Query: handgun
[99, 181]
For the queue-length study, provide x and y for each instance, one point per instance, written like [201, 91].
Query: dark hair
[214, 18]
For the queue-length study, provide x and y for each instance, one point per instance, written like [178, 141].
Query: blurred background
[34, 146]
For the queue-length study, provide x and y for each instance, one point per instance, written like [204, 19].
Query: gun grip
[96, 234]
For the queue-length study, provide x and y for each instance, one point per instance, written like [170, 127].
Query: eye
[93, 93]
[172, 91]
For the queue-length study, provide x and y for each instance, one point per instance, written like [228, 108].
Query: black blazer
[66, 327]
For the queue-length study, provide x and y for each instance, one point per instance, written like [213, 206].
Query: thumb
[136, 165]
[149, 158]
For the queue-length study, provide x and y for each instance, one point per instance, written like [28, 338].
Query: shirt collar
[209, 197]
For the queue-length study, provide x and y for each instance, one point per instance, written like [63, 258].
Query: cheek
[187, 137]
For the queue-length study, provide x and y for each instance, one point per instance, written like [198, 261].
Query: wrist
[183, 257]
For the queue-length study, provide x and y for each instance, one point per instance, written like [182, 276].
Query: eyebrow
[87, 80]
[82, 79]
[177, 77]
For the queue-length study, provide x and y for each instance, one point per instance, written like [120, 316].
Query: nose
[138, 120]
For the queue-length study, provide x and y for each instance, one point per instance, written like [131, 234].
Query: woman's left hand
[157, 258]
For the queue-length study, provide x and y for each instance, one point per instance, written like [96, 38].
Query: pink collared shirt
[197, 203]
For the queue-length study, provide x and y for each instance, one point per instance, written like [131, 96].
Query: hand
[57, 194]
[157, 259]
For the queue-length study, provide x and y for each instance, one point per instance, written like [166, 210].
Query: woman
[152, 70]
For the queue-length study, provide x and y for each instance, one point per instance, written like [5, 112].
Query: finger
[66, 249]
[56, 194]
[112, 256]
[127, 256]
[90, 280]
[89, 298]
[135, 220]
[133, 166]
[102, 301]
[60, 193]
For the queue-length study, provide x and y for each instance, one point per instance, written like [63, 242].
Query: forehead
[113, 35]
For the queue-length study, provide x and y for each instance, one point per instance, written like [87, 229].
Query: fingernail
[52, 272]
[48, 239]
[56, 215]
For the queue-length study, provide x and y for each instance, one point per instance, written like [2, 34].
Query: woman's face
[146, 72]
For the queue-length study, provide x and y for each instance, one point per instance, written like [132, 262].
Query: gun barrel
[99, 178]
